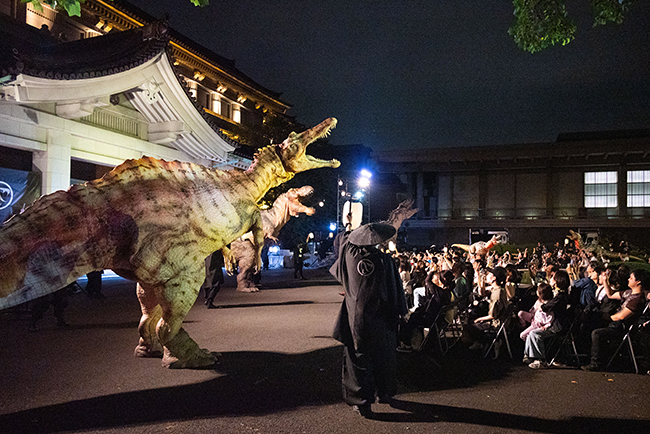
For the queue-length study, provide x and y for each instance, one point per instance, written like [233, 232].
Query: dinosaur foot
[248, 289]
[182, 352]
[154, 350]
[143, 351]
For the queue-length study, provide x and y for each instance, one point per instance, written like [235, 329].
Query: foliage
[73, 7]
[609, 10]
[541, 23]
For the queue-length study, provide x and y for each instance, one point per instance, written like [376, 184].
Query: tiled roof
[85, 58]
[26, 50]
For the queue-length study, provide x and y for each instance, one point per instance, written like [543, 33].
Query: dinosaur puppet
[404, 211]
[151, 221]
[596, 248]
[287, 205]
[479, 248]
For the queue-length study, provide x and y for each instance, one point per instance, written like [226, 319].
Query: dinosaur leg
[176, 298]
[258, 242]
[149, 345]
[245, 277]
[230, 263]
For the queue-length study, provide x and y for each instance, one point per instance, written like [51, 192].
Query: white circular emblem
[365, 267]
[6, 195]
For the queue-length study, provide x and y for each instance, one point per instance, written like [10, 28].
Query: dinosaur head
[293, 151]
[574, 236]
[294, 195]
[404, 211]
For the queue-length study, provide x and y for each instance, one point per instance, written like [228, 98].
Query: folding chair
[438, 330]
[634, 327]
[502, 331]
[569, 338]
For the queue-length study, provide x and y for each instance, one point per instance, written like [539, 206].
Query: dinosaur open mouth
[293, 150]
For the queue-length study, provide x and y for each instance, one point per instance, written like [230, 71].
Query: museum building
[79, 95]
[588, 182]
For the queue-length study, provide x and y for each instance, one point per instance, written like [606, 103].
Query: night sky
[431, 73]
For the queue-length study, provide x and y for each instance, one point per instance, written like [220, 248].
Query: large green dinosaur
[286, 205]
[151, 221]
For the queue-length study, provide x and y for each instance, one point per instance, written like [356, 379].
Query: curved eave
[154, 83]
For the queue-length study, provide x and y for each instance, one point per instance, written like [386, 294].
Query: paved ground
[278, 373]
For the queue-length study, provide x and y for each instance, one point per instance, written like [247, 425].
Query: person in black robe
[367, 324]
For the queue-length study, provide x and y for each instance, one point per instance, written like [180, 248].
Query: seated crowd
[566, 292]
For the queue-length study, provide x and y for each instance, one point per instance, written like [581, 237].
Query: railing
[534, 214]
[113, 122]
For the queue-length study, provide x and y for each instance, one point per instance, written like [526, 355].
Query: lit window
[216, 104]
[600, 190]
[638, 189]
[236, 114]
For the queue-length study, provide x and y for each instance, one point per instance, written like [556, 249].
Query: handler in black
[367, 323]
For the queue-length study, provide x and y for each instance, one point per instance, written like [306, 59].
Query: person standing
[369, 316]
[94, 285]
[298, 260]
[213, 277]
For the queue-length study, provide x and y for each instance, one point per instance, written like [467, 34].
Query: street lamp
[342, 192]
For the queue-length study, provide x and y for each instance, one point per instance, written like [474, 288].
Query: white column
[54, 163]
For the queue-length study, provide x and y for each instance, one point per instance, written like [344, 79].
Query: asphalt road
[279, 372]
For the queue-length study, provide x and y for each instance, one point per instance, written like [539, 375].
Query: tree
[541, 23]
[73, 7]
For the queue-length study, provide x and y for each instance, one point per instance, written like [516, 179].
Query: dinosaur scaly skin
[287, 205]
[152, 221]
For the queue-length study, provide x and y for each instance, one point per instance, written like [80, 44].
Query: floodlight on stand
[332, 226]
[363, 182]
[366, 173]
[321, 204]
[358, 195]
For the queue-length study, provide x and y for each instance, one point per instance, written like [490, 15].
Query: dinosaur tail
[461, 246]
[45, 248]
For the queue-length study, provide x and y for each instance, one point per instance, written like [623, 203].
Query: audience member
[633, 302]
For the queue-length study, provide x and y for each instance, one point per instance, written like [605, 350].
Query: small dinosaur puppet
[287, 205]
[479, 248]
[404, 211]
[154, 222]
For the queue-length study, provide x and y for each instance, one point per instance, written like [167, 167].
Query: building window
[638, 189]
[225, 109]
[600, 190]
[236, 114]
[216, 104]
